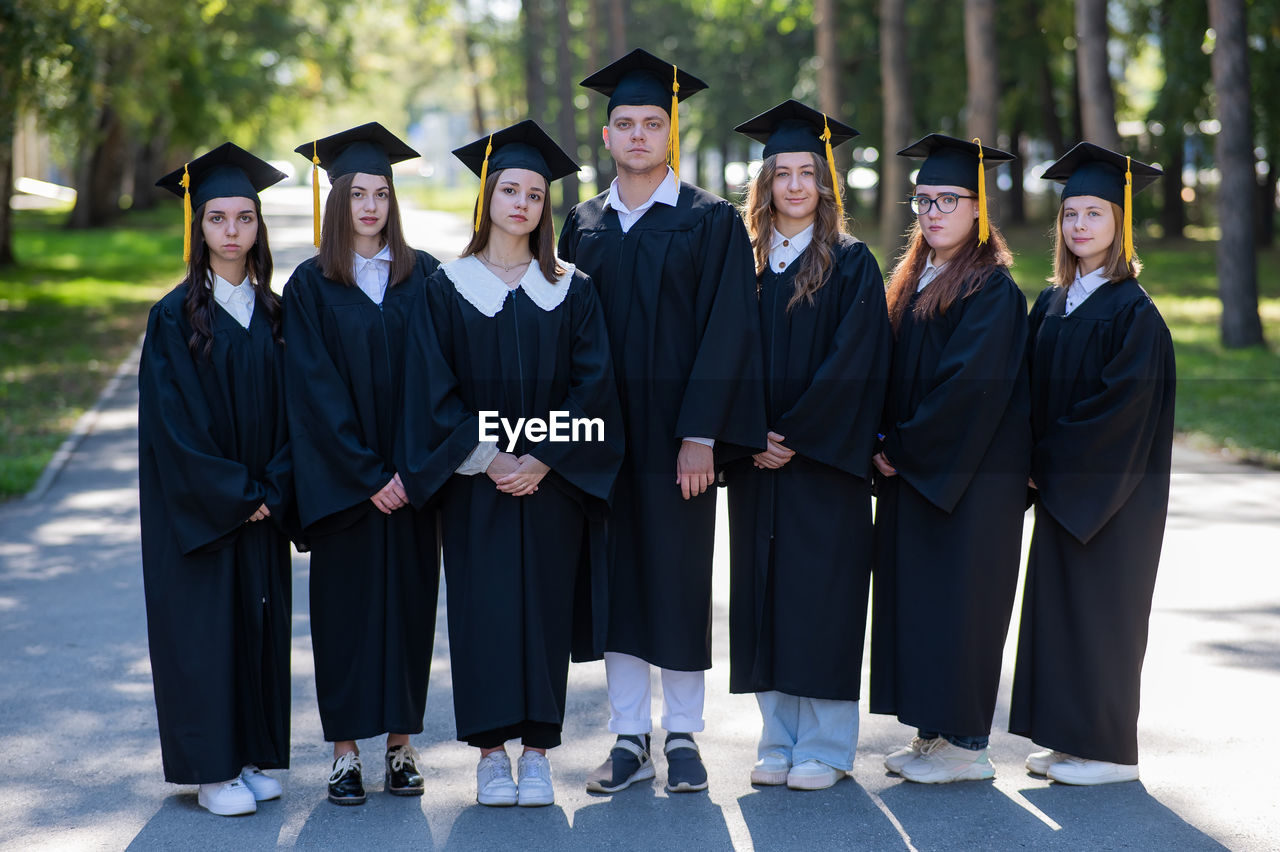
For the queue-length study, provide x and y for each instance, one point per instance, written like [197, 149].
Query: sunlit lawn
[77, 303]
[68, 315]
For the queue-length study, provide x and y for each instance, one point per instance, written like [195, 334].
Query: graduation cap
[520, 146]
[954, 162]
[227, 171]
[369, 149]
[642, 79]
[794, 127]
[1089, 169]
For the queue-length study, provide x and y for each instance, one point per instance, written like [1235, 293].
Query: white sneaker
[1038, 762]
[263, 787]
[1077, 770]
[813, 775]
[940, 762]
[494, 786]
[227, 798]
[771, 770]
[534, 771]
[900, 758]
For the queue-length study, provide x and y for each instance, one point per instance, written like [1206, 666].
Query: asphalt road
[82, 763]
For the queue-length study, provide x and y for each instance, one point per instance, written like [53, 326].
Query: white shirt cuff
[479, 460]
[710, 442]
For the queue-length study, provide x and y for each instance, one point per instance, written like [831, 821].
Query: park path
[82, 762]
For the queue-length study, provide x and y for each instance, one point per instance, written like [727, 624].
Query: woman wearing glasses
[952, 471]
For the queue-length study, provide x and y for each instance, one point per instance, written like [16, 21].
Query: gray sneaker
[494, 786]
[534, 771]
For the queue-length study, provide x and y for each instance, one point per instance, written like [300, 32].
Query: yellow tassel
[673, 141]
[984, 225]
[315, 196]
[186, 214]
[831, 164]
[1128, 211]
[484, 177]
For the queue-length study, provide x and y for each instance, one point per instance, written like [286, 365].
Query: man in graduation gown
[1102, 400]
[673, 267]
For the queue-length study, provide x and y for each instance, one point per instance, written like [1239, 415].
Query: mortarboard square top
[520, 146]
[642, 79]
[949, 161]
[1089, 169]
[794, 127]
[227, 171]
[369, 149]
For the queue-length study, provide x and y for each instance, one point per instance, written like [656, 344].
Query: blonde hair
[1115, 267]
[817, 259]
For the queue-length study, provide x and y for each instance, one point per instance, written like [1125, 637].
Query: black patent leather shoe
[346, 787]
[403, 778]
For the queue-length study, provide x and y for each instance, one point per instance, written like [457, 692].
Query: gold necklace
[497, 265]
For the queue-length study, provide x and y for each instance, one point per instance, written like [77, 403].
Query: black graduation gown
[213, 446]
[374, 577]
[678, 296]
[1102, 391]
[513, 564]
[949, 525]
[801, 540]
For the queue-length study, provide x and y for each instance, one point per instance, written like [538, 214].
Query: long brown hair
[542, 239]
[338, 236]
[199, 302]
[960, 277]
[1116, 268]
[816, 261]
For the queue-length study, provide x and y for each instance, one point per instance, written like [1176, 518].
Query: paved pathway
[82, 763]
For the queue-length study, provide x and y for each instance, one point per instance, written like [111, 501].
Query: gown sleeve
[724, 396]
[836, 418]
[588, 465]
[941, 446]
[208, 496]
[333, 467]
[1092, 458]
[439, 432]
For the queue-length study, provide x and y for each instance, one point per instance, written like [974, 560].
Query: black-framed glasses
[946, 202]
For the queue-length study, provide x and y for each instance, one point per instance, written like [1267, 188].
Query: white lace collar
[487, 293]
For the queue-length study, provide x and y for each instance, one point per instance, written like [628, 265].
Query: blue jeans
[971, 743]
[803, 729]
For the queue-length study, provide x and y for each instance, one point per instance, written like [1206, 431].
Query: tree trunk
[824, 25]
[983, 72]
[1173, 211]
[1017, 212]
[1233, 149]
[1098, 101]
[617, 29]
[1267, 203]
[566, 114]
[895, 74]
[473, 81]
[534, 42]
[596, 60]
[8, 127]
[98, 185]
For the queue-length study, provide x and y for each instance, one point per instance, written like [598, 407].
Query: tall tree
[535, 40]
[895, 72]
[983, 71]
[1097, 98]
[565, 113]
[1233, 148]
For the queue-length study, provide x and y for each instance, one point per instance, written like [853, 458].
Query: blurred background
[100, 97]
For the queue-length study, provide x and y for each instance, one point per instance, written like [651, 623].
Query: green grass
[69, 312]
[1228, 399]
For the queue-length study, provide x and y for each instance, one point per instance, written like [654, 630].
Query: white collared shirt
[236, 300]
[784, 250]
[667, 192]
[930, 273]
[371, 273]
[1083, 287]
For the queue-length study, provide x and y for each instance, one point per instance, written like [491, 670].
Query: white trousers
[803, 729]
[630, 697]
